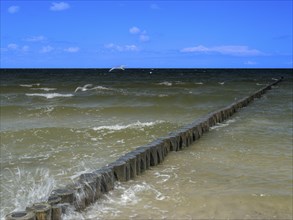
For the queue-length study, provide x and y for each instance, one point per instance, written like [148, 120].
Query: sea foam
[136, 125]
[221, 125]
[27, 187]
[30, 85]
[44, 89]
[49, 95]
[165, 83]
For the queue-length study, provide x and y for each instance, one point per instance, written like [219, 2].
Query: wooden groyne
[91, 186]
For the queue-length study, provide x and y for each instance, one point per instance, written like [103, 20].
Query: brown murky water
[241, 169]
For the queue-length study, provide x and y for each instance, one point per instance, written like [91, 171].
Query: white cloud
[72, 49]
[238, 51]
[25, 48]
[111, 45]
[122, 48]
[114, 47]
[131, 47]
[233, 50]
[144, 38]
[35, 38]
[59, 6]
[12, 46]
[250, 63]
[199, 48]
[13, 9]
[15, 47]
[134, 30]
[46, 49]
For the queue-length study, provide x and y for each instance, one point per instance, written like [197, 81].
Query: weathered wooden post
[21, 215]
[79, 195]
[43, 211]
[141, 154]
[120, 170]
[131, 158]
[107, 179]
[54, 201]
[92, 190]
[66, 195]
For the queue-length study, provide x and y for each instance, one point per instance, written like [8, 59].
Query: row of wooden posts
[91, 186]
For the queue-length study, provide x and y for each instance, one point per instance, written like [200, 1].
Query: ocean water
[59, 123]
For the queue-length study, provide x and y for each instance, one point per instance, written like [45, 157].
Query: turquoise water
[51, 131]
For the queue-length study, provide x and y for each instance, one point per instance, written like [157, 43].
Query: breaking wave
[165, 83]
[135, 125]
[221, 125]
[49, 95]
[25, 187]
[30, 85]
[44, 89]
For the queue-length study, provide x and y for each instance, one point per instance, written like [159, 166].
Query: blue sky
[139, 34]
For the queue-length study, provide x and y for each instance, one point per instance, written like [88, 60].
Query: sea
[59, 123]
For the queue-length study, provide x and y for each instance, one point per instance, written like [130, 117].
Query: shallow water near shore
[51, 132]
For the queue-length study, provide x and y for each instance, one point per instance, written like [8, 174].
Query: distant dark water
[136, 74]
[58, 123]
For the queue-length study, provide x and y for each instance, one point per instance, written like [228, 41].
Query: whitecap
[44, 89]
[159, 195]
[30, 85]
[135, 125]
[221, 125]
[49, 95]
[131, 195]
[25, 85]
[162, 95]
[100, 88]
[164, 177]
[165, 83]
[121, 141]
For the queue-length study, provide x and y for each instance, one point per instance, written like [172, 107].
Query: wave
[25, 191]
[168, 83]
[49, 95]
[221, 125]
[130, 195]
[135, 125]
[44, 89]
[101, 88]
[165, 83]
[260, 84]
[162, 95]
[30, 85]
